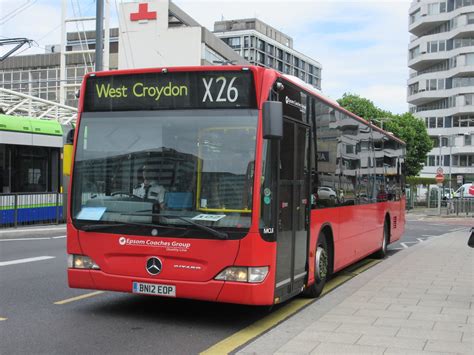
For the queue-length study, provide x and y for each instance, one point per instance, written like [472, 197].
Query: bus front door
[293, 217]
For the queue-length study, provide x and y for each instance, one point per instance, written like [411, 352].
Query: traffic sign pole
[439, 179]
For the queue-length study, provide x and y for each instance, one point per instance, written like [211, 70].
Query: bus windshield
[145, 167]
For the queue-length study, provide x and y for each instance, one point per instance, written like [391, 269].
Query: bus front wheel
[322, 268]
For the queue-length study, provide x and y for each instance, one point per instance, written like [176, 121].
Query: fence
[460, 207]
[30, 208]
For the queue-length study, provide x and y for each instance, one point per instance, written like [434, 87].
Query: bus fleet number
[232, 94]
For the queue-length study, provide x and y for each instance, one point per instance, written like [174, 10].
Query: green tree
[413, 132]
[362, 107]
[404, 126]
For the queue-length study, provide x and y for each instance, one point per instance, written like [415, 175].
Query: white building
[441, 83]
[263, 45]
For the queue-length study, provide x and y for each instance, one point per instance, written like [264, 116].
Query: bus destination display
[164, 91]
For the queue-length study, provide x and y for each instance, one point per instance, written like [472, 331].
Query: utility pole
[99, 30]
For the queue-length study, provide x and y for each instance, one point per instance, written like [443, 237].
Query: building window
[455, 160]
[468, 140]
[415, 16]
[296, 62]
[448, 122]
[432, 122]
[415, 52]
[270, 49]
[470, 18]
[431, 160]
[440, 122]
[269, 61]
[234, 42]
[279, 53]
[446, 160]
[468, 99]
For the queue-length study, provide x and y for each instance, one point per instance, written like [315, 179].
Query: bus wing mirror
[67, 153]
[272, 117]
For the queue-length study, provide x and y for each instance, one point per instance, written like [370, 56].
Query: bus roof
[295, 81]
[30, 125]
[315, 92]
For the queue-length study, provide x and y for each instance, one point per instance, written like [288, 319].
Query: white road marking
[420, 240]
[31, 230]
[429, 235]
[405, 244]
[39, 238]
[27, 260]
[16, 239]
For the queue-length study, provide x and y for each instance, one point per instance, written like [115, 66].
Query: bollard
[15, 213]
[57, 208]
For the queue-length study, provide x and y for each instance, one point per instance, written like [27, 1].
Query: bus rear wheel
[322, 268]
[382, 252]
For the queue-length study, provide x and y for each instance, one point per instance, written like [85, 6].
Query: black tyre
[382, 252]
[322, 268]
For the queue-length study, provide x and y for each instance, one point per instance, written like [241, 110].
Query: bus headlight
[243, 274]
[81, 262]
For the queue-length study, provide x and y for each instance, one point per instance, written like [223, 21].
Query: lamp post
[440, 184]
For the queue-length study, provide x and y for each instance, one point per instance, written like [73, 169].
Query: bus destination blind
[164, 91]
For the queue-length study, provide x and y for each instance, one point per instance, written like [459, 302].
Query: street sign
[439, 178]
[439, 171]
[459, 179]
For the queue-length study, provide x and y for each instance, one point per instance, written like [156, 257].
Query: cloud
[361, 45]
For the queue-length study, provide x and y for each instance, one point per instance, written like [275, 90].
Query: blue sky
[362, 45]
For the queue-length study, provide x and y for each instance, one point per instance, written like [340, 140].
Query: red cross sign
[143, 13]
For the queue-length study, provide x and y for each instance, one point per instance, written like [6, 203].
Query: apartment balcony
[423, 97]
[466, 70]
[458, 32]
[456, 132]
[426, 60]
[451, 111]
[430, 171]
[428, 22]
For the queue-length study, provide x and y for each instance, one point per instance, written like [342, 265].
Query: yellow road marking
[1, 318]
[243, 336]
[366, 266]
[87, 295]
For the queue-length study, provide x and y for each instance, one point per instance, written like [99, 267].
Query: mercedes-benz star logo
[154, 265]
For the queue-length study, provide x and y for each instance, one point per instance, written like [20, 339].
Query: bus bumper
[214, 291]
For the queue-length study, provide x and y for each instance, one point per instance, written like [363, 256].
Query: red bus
[228, 184]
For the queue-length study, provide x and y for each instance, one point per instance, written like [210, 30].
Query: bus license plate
[154, 289]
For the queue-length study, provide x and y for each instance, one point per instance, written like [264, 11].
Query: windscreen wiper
[99, 226]
[214, 232]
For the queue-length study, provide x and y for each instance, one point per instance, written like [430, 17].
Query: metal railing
[18, 209]
[460, 207]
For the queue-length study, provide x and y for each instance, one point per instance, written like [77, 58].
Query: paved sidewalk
[431, 214]
[418, 301]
